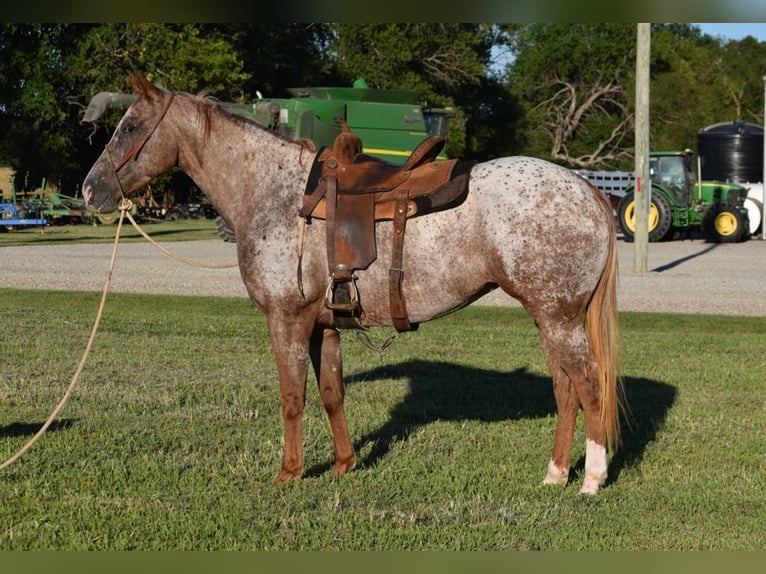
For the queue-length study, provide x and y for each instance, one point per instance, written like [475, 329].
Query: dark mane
[207, 104]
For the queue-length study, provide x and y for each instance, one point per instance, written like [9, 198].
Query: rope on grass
[123, 209]
[125, 206]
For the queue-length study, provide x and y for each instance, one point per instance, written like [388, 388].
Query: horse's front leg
[290, 339]
[328, 365]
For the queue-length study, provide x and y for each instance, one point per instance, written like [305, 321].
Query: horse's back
[536, 188]
[539, 200]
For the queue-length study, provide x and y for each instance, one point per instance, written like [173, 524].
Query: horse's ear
[143, 86]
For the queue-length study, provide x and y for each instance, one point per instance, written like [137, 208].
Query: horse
[534, 229]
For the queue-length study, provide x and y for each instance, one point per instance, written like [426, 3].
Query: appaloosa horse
[536, 230]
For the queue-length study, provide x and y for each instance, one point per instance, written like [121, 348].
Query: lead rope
[125, 205]
[173, 255]
[126, 211]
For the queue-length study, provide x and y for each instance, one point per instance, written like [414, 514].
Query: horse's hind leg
[575, 385]
[328, 366]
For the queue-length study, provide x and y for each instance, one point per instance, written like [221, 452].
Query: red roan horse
[536, 230]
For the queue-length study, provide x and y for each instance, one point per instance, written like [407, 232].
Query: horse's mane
[207, 104]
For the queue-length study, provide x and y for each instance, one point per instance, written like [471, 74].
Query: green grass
[172, 438]
[182, 230]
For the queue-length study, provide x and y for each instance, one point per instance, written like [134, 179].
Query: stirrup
[351, 305]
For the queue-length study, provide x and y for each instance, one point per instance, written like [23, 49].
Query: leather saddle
[352, 191]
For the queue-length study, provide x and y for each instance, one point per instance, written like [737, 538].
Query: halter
[138, 147]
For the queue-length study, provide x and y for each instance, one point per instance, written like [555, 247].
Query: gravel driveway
[684, 276]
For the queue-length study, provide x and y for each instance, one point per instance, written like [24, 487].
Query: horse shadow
[17, 429]
[443, 391]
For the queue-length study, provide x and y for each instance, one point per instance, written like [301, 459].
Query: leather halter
[139, 146]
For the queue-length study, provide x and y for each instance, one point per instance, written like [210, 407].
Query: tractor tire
[724, 224]
[223, 229]
[174, 215]
[660, 217]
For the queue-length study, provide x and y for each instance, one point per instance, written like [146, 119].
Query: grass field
[172, 438]
[182, 230]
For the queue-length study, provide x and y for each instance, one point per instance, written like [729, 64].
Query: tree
[33, 133]
[685, 93]
[698, 80]
[742, 68]
[279, 56]
[52, 71]
[571, 82]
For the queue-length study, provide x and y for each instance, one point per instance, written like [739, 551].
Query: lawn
[181, 230]
[172, 438]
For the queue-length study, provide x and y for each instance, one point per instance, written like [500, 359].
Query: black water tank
[731, 151]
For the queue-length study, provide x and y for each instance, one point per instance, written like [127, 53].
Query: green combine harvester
[390, 123]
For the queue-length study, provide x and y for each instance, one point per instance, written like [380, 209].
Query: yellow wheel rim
[630, 216]
[725, 224]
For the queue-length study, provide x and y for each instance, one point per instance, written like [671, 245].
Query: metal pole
[643, 185]
[763, 177]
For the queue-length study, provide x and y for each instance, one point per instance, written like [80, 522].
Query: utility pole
[643, 185]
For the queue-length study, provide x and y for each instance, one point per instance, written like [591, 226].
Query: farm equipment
[45, 207]
[18, 214]
[15, 213]
[23, 216]
[680, 201]
[390, 123]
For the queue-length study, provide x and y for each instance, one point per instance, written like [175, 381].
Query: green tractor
[679, 201]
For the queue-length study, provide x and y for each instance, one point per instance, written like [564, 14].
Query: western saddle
[351, 191]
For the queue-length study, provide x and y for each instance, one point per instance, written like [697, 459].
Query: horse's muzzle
[90, 201]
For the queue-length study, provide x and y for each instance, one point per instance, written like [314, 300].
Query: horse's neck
[245, 170]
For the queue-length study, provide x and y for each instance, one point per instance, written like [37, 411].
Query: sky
[734, 31]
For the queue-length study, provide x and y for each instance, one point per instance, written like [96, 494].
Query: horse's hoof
[556, 476]
[590, 487]
[286, 476]
[342, 467]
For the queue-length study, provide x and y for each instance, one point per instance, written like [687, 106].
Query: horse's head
[136, 153]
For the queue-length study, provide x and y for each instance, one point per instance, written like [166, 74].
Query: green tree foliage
[175, 55]
[685, 91]
[698, 80]
[33, 108]
[53, 70]
[277, 57]
[576, 83]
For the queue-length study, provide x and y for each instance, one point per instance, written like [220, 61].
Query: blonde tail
[603, 329]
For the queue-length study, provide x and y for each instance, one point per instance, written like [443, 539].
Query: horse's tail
[603, 329]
